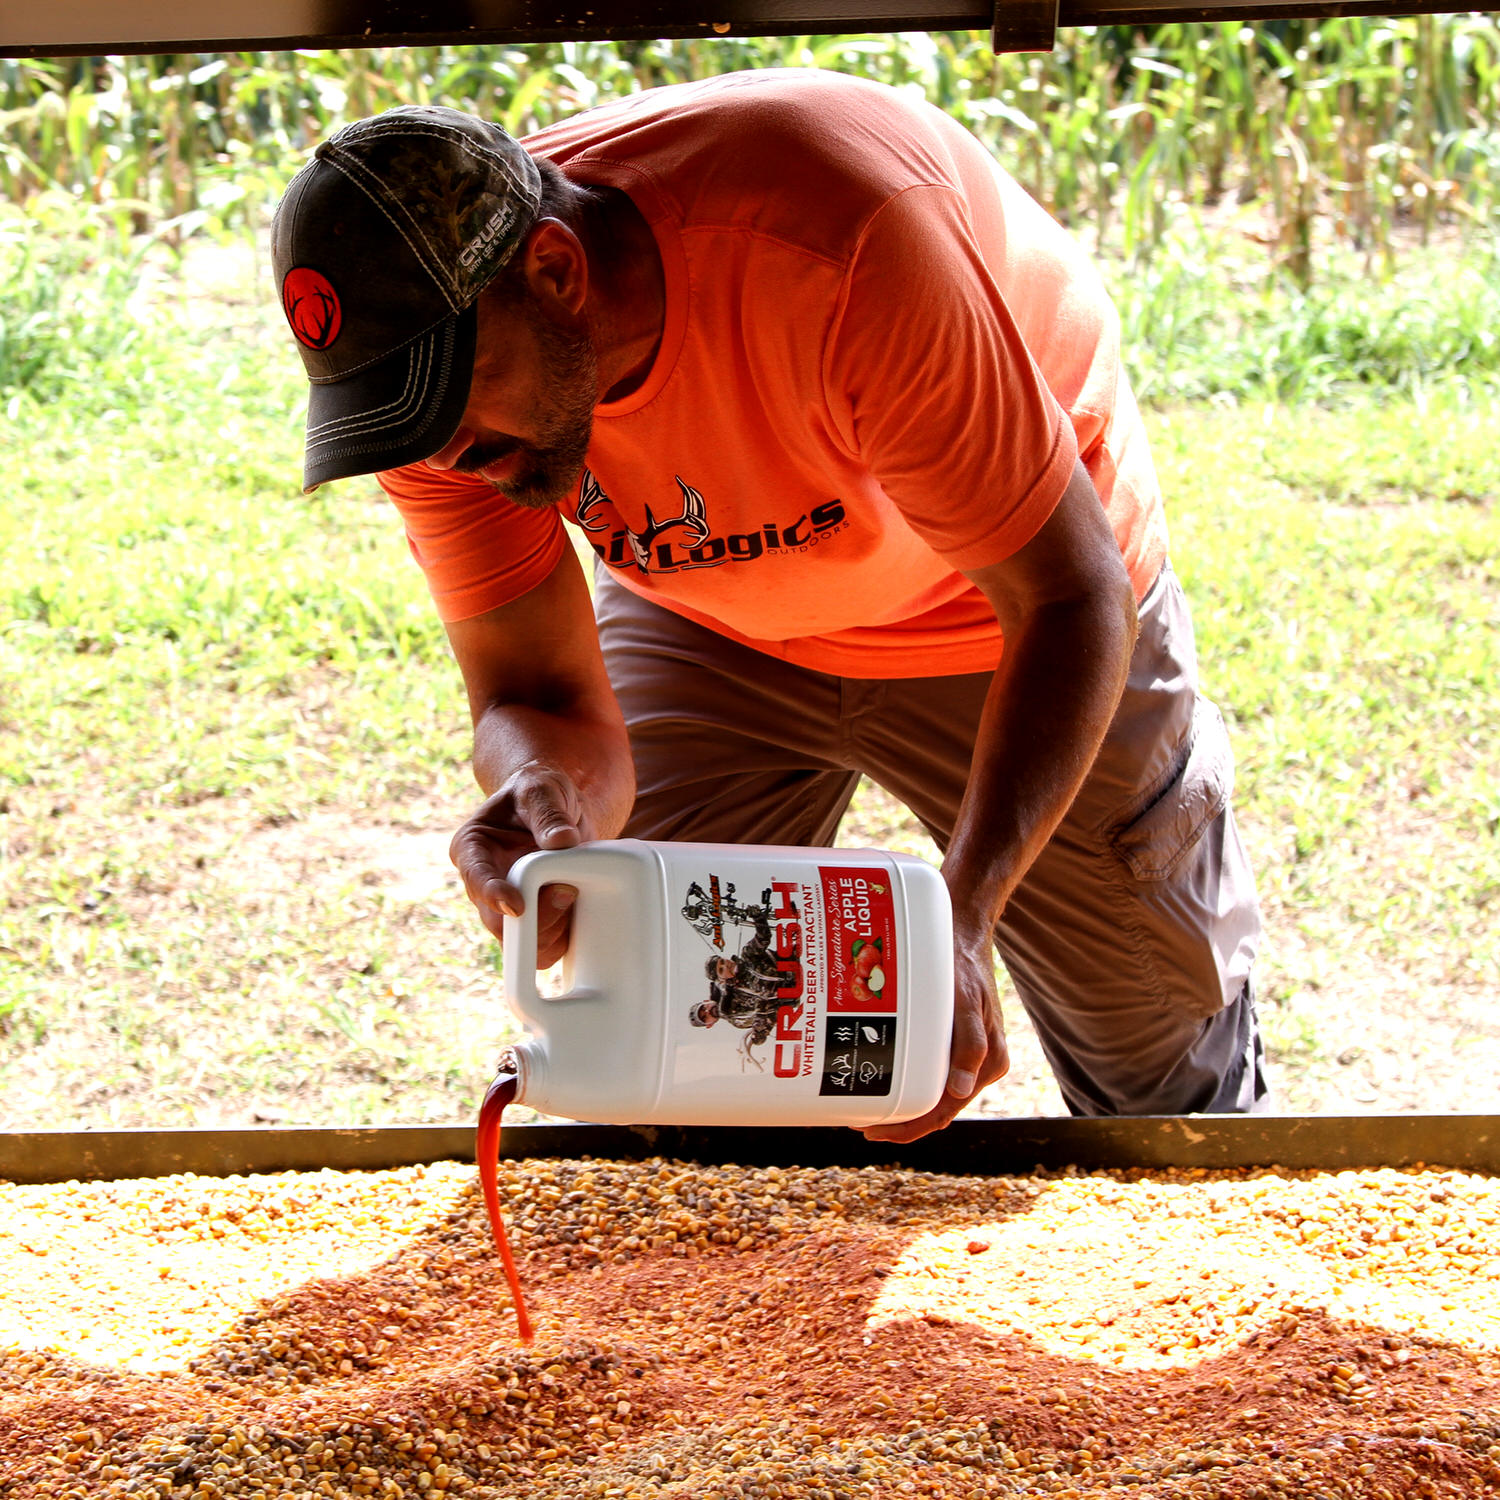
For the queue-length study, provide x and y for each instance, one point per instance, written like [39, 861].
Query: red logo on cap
[312, 307]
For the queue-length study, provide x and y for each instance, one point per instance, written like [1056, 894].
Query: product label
[861, 1055]
[796, 971]
[860, 921]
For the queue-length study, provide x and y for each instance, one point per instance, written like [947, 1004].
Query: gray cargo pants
[1130, 940]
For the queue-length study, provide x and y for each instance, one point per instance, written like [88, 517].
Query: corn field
[1361, 130]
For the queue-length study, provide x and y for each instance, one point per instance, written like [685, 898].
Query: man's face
[725, 969]
[709, 1011]
[530, 414]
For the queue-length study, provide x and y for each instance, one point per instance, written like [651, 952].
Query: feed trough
[1194, 1308]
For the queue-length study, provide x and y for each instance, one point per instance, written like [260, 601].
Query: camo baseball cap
[381, 245]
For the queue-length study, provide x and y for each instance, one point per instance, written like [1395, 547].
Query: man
[753, 1011]
[755, 973]
[841, 411]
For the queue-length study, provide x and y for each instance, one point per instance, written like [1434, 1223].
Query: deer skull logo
[693, 519]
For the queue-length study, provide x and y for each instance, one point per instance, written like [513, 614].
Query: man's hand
[979, 1057]
[549, 746]
[537, 807]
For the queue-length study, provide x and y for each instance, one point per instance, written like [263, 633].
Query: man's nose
[455, 448]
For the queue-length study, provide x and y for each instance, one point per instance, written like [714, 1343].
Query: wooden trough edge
[970, 1147]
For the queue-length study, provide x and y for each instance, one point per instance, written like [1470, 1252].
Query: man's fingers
[910, 1130]
[970, 1049]
[979, 1057]
[997, 1060]
[482, 863]
[954, 1099]
[492, 920]
[554, 923]
[537, 808]
[549, 807]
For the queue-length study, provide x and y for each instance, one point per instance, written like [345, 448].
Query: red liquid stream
[487, 1151]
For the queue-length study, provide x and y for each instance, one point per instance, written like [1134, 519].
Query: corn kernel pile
[767, 1334]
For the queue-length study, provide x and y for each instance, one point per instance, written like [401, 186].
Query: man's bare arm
[550, 745]
[1067, 610]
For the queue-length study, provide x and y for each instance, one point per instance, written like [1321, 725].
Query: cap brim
[399, 411]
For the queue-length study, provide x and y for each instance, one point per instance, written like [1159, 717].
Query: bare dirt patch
[213, 968]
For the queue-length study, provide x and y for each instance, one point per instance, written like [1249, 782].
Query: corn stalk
[1357, 129]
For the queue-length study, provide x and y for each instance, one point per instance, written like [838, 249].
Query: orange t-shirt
[879, 362]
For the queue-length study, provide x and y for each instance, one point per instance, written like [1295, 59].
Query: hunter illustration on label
[748, 989]
[767, 985]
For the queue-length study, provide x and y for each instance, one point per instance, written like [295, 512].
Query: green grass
[1345, 568]
[1347, 586]
[1211, 318]
[231, 739]
[195, 657]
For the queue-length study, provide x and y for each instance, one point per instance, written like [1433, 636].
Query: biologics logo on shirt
[677, 543]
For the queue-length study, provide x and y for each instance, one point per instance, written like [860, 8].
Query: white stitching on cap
[350, 450]
[410, 392]
[382, 418]
[355, 168]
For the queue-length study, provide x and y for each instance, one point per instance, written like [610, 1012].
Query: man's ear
[556, 268]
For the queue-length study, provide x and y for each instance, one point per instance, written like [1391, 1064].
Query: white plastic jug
[725, 984]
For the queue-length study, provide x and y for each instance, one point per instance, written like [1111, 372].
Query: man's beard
[563, 421]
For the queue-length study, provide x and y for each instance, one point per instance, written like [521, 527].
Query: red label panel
[860, 927]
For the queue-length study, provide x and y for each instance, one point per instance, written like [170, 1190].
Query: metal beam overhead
[62, 28]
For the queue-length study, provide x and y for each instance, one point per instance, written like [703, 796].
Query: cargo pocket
[1157, 840]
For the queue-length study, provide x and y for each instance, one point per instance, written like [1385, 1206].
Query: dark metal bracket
[1024, 26]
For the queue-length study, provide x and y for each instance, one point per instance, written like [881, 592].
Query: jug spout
[525, 1064]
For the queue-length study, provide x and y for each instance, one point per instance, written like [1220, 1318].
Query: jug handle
[543, 867]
